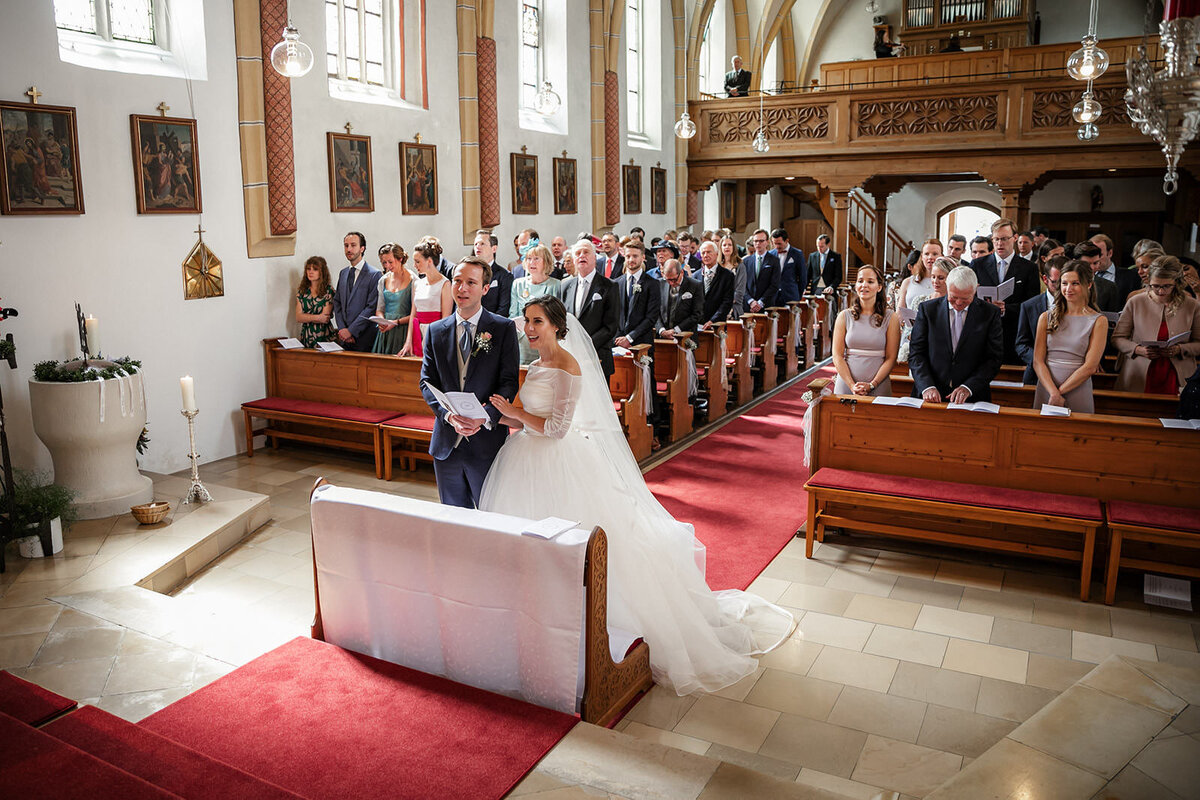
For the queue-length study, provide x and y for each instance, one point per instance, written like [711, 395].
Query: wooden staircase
[862, 230]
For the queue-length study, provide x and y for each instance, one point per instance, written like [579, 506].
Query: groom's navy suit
[460, 467]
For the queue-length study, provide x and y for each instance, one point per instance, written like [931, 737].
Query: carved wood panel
[1052, 107]
[782, 124]
[962, 114]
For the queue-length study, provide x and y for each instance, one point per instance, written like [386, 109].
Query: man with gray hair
[957, 343]
[737, 80]
[594, 299]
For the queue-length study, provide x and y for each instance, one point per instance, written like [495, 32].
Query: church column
[840, 200]
[489, 139]
[612, 149]
[880, 243]
[468, 119]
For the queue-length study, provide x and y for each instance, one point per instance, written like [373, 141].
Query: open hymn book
[464, 404]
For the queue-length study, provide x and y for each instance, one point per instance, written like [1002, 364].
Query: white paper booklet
[1001, 292]
[1186, 424]
[290, 343]
[911, 402]
[464, 404]
[378, 320]
[329, 347]
[549, 527]
[1055, 411]
[907, 314]
[987, 408]
[622, 351]
[1178, 338]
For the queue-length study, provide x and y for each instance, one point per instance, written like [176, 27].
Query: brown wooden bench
[766, 335]
[710, 369]
[671, 384]
[627, 387]
[821, 327]
[737, 362]
[994, 457]
[788, 361]
[1163, 532]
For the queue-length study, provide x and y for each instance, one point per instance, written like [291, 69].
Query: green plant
[38, 501]
[7, 349]
[56, 372]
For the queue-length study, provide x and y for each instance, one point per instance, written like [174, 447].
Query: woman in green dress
[314, 303]
[536, 282]
[395, 300]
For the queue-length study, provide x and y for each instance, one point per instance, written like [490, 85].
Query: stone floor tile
[1012, 770]
[1042, 584]
[849, 634]
[854, 669]
[794, 655]
[906, 564]
[738, 691]
[669, 738]
[76, 679]
[986, 660]
[862, 582]
[951, 622]
[798, 570]
[814, 744]
[851, 790]
[927, 592]
[1139, 626]
[1049, 672]
[904, 767]
[768, 589]
[816, 598]
[1133, 784]
[1012, 701]
[1181, 680]
[740, 725]
[1183, 658]
[70, 618]
[794, 694]
[661, 708]
[1188, 721]
[979, 576]
[1175, 763]
[1066, 728]
[931, 684]
[733, 782]
[1043, 639]
[964, 732]
[1121, 679]
[19, 650]
[136, 706]
[755, 761]
[30, 619]
[1092, 648]
[1009, 605]
[30, 593]
[883, 610]
[906, 645]
[1072, 615]
[78, 644]
[882, 714]
[143, 672]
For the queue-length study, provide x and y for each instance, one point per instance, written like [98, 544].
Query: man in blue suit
[794, 268]
[472, 350]
[1032, 310]
[762, 274]
[1001, 265]
[356, 297]
[639, 296]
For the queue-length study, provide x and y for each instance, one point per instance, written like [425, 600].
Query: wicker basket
[150, 513]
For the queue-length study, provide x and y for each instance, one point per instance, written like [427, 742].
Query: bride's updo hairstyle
[555, 311]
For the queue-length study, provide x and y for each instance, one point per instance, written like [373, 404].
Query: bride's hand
[502, 405]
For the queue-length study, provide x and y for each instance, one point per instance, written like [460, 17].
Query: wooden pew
[710, 369]
[737, 362]
[1014, 374]
[785, 346]
[1108, 401]
[1099, 457]
[766, 327]
[671, 384]
[822, 327]
[807, 331]
[627, 387]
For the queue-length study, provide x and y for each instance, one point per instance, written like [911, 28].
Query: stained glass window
[76, 15]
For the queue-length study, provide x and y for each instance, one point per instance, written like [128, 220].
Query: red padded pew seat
[1060, 505]
[1153, 516]
[417, 422]
[328, 410]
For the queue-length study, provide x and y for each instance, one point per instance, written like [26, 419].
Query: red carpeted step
[325, 722]
[29, 702]
[35, 765]
[159, 761]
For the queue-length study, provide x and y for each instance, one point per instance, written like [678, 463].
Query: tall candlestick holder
[197, 491]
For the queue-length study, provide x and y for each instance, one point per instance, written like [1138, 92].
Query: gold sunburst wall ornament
[202, 277]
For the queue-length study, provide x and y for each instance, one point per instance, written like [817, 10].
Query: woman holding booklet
[1069, 343]
[1158, 335]
[937, 278]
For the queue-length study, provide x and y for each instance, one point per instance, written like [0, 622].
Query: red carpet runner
[327, 723]
[742, 487]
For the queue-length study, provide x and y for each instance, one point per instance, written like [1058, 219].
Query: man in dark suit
[794, 268]
[681, 304]
[689, 246]
[472, 350]
[499, 293]
[356, 297]
[1001, 265]
[1032, 309]
[762, 274]
[639, 298]
[1107, 294]
[737, 80]
[1126, 280]
[718, 284]
[825, 270]
[956, 245]
[957, 344]
[558, 249]
[595, 300]
[610, 263]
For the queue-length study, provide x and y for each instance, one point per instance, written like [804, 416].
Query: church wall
[125, 268]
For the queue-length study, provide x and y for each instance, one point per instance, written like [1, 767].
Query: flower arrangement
[75, 372]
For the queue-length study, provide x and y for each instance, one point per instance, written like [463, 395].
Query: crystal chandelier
[685, 128]
[760, 143]
[1165, 105]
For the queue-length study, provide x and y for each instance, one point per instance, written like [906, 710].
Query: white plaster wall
[913, 210]
[125, 268]
[1120, 194]
[1066, 20]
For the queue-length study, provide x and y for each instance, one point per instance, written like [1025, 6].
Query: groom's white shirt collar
[474, 320]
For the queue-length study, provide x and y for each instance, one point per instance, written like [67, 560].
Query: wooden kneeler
[608, 686]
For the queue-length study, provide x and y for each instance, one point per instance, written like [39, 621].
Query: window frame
[539, 52]
[102, 38]
[341, 85]
[173, 54]
[635, 91]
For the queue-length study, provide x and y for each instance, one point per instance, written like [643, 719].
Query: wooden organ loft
[926, 26]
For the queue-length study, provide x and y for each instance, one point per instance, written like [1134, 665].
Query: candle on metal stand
[187, 388]
[92, 326]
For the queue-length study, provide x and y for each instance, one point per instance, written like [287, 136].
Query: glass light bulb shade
[760, 143]
[291, 58]
[1087, 110]
[1088, 62]
[547, 101]
[1087, 132]
[685, 128]
[872, 7]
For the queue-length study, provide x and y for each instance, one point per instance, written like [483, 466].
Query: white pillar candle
[187, 388]
[91, 327]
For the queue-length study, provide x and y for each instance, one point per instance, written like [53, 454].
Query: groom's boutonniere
[637, 287]
[483, 344]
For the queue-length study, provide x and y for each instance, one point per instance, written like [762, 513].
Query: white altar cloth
[452, 592]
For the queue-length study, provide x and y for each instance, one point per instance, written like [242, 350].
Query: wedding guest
[918, 282]
[763, 273]
[957, 343]
[866, 339]
[1160, 312]
[1025, 246]
[1107, 294]
[937, 276]
[718, 286]
[1126, 280]
[639, 299]
[955, 247]
[354, 299]
[314, 303]
[728, 254]
[1070, 341]
[594, 300]
[794, 265]
[536, 282]
[729, 259]
[432, 297]
[1142, 245]
[1191, 276]
[980, 247]
[499, 292]
[681, 303]
[1048, 249]
[1033, 308]
[1001, 266]
[395, 300]
[568, 265]
[1142, 262]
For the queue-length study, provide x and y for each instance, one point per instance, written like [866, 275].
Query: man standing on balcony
[737, 80]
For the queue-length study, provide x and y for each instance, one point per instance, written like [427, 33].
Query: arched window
[969, 218]
[137, 36]
[712, 60]
[365, 50]
[635, 68]
[703, 66]
[647, 44]
[532, 62]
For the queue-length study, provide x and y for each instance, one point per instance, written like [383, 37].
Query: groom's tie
[464, 341]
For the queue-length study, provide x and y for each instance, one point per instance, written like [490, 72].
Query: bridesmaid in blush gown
[866, 339]
[1071, 337]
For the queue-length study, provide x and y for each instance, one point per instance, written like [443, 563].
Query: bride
[571, 460]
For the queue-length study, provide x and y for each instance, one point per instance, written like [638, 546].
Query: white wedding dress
[581, 469]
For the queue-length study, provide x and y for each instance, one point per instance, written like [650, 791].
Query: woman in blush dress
[1071, 336]
[431, 295]
[314, 303]
[937, 277]
[918, 282]
[569, 459]
[1160, 312]
[395, 300]
[535, 283]
[866, 338]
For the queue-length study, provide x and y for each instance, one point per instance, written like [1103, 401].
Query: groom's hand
[463, 425]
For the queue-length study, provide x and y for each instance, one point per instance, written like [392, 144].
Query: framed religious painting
[351, 181]
[524, 184]
[631, 180]
[658, 190]
[565, 186]
[166, 165]
[39, 173]
[727, 200]
[418, 178]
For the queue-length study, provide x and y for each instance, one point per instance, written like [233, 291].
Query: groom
[473, 351]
